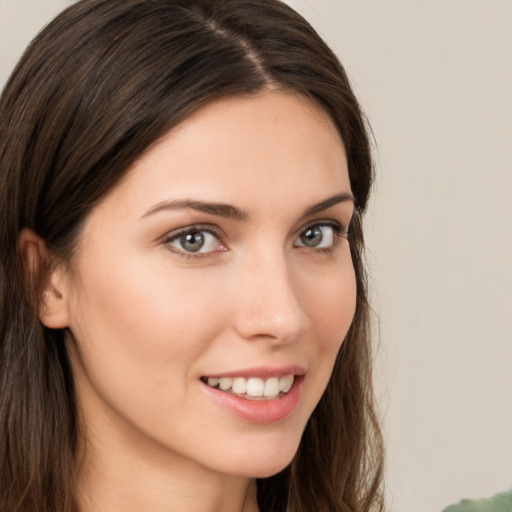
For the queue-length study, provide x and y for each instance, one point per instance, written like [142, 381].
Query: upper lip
[263, 372]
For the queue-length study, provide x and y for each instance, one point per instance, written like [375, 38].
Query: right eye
[194, 241]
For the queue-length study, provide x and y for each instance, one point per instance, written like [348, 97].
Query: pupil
[192, 242]
[312, 237]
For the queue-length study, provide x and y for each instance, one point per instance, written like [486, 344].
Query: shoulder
[500, 503]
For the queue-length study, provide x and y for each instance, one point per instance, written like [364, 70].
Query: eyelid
[339, 232]
[340, 227]
[178, 232]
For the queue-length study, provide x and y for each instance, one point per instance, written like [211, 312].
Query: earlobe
[49, 280]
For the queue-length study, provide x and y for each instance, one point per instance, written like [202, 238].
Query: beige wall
[435, 78]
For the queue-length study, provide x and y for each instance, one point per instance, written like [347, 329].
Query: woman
[184, 322]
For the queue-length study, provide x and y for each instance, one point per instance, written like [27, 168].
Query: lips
[257, 396]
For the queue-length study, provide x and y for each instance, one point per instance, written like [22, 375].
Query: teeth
[253, 386]
[213, 382]
[286, 383]
[239, 386]
[272, 387]
[225, 383]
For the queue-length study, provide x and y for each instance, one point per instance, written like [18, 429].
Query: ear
[37, 264]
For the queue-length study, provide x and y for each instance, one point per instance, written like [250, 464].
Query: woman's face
[217, 271]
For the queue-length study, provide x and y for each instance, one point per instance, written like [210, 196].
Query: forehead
[242, 149]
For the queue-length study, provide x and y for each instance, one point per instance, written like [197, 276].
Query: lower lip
[259, 411]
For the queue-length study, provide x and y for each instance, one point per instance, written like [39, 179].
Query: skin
[147, 320]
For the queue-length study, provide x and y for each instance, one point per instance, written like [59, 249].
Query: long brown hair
[95, 89]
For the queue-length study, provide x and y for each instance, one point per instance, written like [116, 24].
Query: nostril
[268, 325]
[269, 307]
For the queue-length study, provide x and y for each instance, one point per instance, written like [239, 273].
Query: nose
[268, 303]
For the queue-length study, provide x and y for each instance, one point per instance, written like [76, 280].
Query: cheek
[135, 320]
[332, 308]
[140, 333]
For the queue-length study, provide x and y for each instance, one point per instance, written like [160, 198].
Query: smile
[262, 395]
[252, 388]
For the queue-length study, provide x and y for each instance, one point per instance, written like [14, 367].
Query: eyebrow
[219, 209]
[331, 201]
[232, 212]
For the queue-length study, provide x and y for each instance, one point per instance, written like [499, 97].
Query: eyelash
[339, 232]
[196, 228]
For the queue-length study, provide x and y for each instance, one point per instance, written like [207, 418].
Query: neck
[130, 482]
[122, 471]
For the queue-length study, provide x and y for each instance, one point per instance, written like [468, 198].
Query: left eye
[194, 241]
[318, 236]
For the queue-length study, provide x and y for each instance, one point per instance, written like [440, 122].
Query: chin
[263, 461]
[267, 472]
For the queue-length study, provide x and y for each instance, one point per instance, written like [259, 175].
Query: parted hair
[95, 89]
